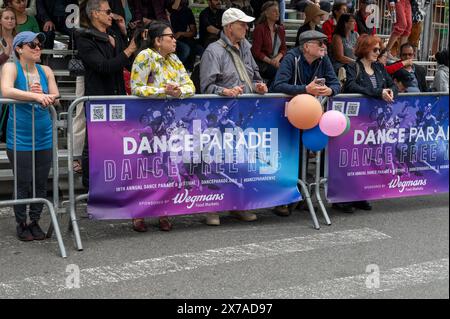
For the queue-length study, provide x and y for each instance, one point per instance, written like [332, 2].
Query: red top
[394, 67]
[262, 41]
[329, 26]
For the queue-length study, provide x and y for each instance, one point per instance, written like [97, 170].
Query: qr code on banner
[117, 112]
[353, 108]
[339, 106]
[98, 113]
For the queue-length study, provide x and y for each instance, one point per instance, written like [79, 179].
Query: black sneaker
[364, 205]
[36, 231]
[344, 207]
[23, 232]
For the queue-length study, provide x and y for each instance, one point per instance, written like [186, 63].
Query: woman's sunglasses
[34, 45]
[171, 35]
[376, 50]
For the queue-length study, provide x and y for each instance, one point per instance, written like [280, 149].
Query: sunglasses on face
[320, 43]
[171, 35]
[34, 45]
[376, 50]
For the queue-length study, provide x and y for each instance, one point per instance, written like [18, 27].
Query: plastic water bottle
[394, 16]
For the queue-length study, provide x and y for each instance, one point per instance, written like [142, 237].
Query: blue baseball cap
[27, 36]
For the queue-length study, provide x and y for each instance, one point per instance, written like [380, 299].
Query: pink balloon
[333, 123]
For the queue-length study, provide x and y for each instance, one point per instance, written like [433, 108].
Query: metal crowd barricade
[52, 207]
[74, 199]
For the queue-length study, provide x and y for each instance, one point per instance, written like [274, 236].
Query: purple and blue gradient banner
[392, 150]
[153, 158]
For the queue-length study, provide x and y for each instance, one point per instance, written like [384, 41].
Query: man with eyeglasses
[104, 55]
[417, 72]
[307, 68]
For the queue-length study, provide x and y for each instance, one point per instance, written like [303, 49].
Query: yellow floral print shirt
[151, 72]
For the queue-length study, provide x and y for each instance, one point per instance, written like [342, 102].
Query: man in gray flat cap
[307, 68]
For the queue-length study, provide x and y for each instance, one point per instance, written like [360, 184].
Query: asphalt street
[398, 250]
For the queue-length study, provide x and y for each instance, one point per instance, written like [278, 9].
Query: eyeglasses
[106, 11]
[376, 50]
[34, 45]
[320, 43]
[171, 35]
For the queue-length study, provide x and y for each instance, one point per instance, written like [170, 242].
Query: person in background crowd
[362, 22]
[24, 22]
[26, 80]
[30, 10]
[146, 11]
[369, 77]
[258, 4]
[300, 5]
[344, 42]
[269, 41]
[440, 82]
[122, 17]
[313, 17]
[404, 81]
[418, 8]
[7, 33]
[329, 26]
[306, 69]
[393, 67]
[227, 68]
[157, 71]
[210, 21]
[52, 15]
[104, 55]
[185, 30]
[403, 24]
[419, 73]
[243, 5]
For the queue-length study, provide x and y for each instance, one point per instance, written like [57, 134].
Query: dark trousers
[60, 25]
[24, 173]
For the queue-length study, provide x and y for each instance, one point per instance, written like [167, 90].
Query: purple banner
[392, 150]
[153, 158]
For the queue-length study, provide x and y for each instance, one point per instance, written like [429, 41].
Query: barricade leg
[309, 203]
[51, 209]
[317, 184]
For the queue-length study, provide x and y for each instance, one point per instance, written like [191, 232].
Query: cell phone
[4, 43]
[320, 81]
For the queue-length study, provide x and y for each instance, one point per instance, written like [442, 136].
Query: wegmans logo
[190, 201]
[401, 185]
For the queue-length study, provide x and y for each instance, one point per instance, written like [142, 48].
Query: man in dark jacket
[306, 70]
[302, 66]
[104, 56]
[52, 15]
[417, 72]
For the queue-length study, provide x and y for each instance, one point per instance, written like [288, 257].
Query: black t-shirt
[209, 18]
[181, 19]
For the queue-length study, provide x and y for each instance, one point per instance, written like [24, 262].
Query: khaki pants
[79, 121]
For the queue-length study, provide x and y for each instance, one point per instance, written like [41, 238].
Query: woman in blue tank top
[25, 80]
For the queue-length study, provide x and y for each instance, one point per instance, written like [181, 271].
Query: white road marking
[53, 283]
[355, 286]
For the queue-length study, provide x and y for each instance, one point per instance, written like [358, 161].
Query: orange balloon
[304, 111]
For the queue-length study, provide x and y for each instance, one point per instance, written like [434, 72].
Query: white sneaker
[213, 219]
[243, 215]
